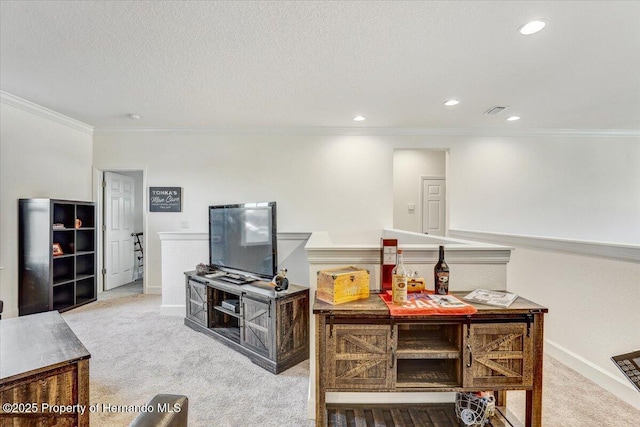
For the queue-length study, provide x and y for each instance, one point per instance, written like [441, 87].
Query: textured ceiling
[191, 65]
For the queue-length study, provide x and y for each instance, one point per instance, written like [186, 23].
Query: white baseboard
[616, 386]
[154, 290]
[173, 310]
[8, 314]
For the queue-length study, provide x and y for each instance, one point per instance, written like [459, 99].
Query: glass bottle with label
[441, 275]
[400, 276]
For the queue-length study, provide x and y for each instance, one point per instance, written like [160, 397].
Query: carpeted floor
[137, 353]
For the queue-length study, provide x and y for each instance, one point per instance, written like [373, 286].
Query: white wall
[584, 188]
[576, 187]
[409, 166]
[335, 182]
[42, 154]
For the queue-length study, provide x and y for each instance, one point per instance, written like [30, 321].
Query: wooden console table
[44, 374]
[360, 347]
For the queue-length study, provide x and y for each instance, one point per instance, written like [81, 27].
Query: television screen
[243, 238]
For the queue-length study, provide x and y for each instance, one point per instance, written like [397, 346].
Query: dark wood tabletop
[29, 344]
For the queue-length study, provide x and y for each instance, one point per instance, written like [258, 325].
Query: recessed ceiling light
[531, 27]
[451, 102]
[134, 116]
[513, 118]
[359, 118]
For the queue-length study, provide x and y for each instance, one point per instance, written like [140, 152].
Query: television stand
[270, 328]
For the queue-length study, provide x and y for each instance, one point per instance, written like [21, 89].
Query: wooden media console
[270, 328]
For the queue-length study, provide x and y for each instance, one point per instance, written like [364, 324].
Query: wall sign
[165, 199]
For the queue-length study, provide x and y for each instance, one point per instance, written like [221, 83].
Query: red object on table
[421, 304]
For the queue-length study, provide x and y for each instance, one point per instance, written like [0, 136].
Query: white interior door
[433, 206]
[118, 220]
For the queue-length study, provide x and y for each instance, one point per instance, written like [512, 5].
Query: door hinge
[104, 227]
[104, 184]
[104, 271]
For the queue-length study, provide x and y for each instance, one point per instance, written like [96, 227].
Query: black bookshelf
[62, 281]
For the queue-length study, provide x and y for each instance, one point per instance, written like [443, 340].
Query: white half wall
[182, 251]
[592, 302]
[593, 310]
[42, 154]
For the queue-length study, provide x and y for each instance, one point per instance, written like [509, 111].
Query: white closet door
[118, 213]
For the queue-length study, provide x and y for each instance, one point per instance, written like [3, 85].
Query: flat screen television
[243, 239]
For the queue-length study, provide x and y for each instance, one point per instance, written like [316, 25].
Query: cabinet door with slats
[498, 355]
[256, 326]
[359, 357]
[197, 302]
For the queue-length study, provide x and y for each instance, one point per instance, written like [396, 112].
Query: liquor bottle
[400, 276]
[441, 275]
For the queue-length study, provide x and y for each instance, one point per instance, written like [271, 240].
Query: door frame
[98, 198]
[424, 178]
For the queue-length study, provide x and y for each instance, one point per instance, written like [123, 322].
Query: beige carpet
[571, 400]
[137, 353]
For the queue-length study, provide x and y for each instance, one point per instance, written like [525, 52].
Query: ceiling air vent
[495, 110]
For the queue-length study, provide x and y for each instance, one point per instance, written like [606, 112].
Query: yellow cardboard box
[343, 284]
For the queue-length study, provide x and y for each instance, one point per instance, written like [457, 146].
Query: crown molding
[376, 131]
[38, 110]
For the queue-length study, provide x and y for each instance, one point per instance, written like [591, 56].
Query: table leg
[534, 396]
[83, 391]
[321, 404]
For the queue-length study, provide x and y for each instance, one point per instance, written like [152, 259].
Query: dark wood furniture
[270, 328]
[56, 282]
[361, 347]
[43, 365]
